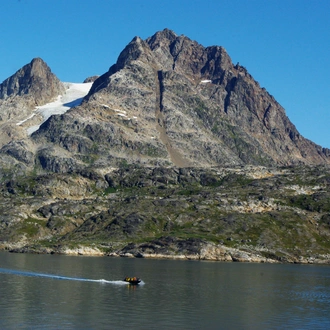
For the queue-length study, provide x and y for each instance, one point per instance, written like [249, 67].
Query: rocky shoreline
[191, 249]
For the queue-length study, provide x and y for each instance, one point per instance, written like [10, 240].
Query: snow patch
[73, 97]
[206, 81]
[121, 111]
[23, 121]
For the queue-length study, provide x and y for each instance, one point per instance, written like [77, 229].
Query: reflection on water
[61, 292]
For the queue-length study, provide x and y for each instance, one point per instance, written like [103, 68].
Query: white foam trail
[57, 277]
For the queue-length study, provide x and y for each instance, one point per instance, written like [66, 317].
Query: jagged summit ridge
[182, 53]
[167, 51]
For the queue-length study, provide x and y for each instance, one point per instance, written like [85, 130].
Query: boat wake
[58, 277]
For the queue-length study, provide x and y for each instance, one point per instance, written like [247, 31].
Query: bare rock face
[34, 81]
[90, 79]
[33, 85]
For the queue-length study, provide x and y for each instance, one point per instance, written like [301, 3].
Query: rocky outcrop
[90, 79]
[189, 249]
[20, 150]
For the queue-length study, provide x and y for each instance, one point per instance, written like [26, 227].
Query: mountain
[173, 151]
[33, 85]
[169, 100]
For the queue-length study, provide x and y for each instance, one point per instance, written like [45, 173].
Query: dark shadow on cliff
[74, 103]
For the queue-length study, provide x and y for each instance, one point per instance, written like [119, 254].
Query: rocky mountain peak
[162, 38]
[37, 67]
[166, 51]
[181, 54]
[32, 85]
[136, 49]
[204, 103]
[35, 80]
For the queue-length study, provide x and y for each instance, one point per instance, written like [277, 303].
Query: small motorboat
[132, 280]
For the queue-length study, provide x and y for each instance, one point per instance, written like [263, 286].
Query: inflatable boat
[132, 280]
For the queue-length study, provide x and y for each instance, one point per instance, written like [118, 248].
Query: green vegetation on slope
[274, 211]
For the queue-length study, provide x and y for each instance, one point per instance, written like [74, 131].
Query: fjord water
[62, 292]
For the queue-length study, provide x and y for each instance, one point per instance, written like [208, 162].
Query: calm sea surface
[61, 292]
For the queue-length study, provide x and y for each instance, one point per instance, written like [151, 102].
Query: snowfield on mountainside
[74, 95]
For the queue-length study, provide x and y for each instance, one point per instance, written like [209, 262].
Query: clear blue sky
[284, 44]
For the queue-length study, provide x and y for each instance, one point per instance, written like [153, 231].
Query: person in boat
[131, 279]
